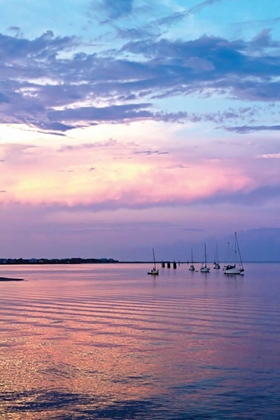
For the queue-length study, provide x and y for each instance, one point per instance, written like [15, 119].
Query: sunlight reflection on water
[111, 342]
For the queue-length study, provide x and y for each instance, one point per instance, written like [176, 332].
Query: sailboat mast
[235, 248]
[154, 258]
[238, 249]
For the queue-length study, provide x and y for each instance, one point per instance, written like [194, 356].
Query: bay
[109, 342]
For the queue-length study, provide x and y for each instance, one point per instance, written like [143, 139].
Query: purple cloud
[258, 196]
[193, 229]
[154, 70]
[149, 152]
[250, 129]
[263, 39]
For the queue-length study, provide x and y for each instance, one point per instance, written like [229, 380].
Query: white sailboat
[216, 264]
[154, 271]
[192, 267]
[204, 268]
[233, 268]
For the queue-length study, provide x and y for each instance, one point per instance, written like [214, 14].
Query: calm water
[110, 342]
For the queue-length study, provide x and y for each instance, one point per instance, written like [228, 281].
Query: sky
[128, 125]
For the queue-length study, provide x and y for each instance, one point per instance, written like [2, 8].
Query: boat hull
[234, 271]
[153, 272]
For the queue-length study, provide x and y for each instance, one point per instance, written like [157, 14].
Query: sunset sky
[128, 125]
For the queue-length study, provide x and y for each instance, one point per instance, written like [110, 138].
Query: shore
[10, 279]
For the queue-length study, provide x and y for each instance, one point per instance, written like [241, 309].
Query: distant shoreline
[103, 261]
[10, 279]
[54, 261]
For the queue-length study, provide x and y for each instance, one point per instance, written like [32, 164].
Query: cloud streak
[255, 196]
[178, 16]
[250, 129]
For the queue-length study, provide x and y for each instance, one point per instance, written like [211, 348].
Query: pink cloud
[42, 175]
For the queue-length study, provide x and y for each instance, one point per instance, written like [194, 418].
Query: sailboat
[154, 271]
[192, 267]
[216, 264]
[204, 268]
[232, 268]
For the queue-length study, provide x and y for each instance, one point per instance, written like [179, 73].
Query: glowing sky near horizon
[132, 124]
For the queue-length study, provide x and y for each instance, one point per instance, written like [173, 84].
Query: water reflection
[99, 342]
